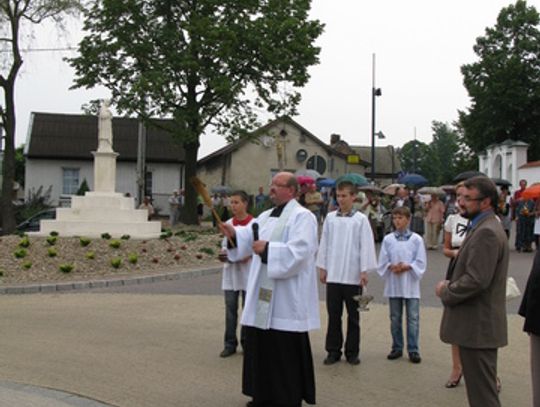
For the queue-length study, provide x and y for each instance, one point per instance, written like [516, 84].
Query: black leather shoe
[331, 359]
[414, 357]
[395, 354]
[353, 360]
[225, 353]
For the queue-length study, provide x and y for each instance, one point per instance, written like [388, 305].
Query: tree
[13, 15]
[444, 149]
[199, 62]
[504, 85]
[415, 157]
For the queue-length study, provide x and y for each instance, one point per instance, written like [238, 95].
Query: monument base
[102, 212]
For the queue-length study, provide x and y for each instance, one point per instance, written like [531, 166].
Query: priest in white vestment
[282, 302]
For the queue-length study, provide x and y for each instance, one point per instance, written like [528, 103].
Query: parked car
[32, 223]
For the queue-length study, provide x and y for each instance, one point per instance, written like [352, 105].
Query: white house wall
[165, 178]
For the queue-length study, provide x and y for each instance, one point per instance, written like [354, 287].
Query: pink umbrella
[304, 179]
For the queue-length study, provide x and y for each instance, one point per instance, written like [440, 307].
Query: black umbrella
[466, 175]
[501, 182]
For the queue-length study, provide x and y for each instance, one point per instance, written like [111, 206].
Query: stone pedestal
[101, 212]
[104, 171]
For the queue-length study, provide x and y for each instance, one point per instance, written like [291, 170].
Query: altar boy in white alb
[402, 263]
[346, 254]
[282, 302]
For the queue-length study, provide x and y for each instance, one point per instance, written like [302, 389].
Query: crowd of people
[271, 262]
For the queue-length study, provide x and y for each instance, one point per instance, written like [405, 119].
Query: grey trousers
[535, 368]
[480, 373]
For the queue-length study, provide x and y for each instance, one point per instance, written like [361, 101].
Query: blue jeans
[412, 306]
[231, 318]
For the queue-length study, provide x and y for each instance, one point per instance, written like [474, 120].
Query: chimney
[334, 138]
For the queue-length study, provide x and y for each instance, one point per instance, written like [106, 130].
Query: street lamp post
[374, 93]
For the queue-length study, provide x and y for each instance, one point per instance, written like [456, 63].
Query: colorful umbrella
[415, 180]
[371, 188]
[431, 191]
[353, 177]
[326, 182]
[501, 182]
[392, 188]
[532, 192]
[304, 172]
[304, 179]
[466, 175]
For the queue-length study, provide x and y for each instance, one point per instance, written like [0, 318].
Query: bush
[105, 236]
[1, 273]
[21, 253]
[125, 237]
[90, 255]
[84, 241]
[115, 244]
[133, 258]
[66, 267]
[190, 237]
[54, 233]
[25, 242]
[27, 264]
[52, 240]
[51, 251]
[207, 250]
[35, 202]
[116, 262]
[163, 236]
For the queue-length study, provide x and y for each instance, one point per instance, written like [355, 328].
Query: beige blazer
[475, 299]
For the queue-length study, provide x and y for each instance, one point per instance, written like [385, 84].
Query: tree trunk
[8, 165]
[189, 213]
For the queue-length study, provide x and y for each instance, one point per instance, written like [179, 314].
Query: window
[148, 183]
[70, 181]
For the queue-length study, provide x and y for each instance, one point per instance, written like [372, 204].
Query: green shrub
[84, 241]
[207, 250]
[115, 244]
[125, 237]
[190, 237]
[116, 262]
[1, 273]
[51, 251]
[54, 233]
[27, 264]
[133, 258]
[51, 240]
[24, 242]
[21, 253]
[163, 236]
[105, 236]
[90, 255]
[180, 233]
[66, 267]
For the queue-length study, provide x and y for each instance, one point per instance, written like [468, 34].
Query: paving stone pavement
[136, 350]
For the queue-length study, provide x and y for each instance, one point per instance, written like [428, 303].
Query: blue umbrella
[327, 182]
[413, 179]
[353, 177]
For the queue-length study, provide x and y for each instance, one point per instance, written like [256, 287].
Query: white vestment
[235, 275]
[294, 304]
[411, 252]
[347, 248]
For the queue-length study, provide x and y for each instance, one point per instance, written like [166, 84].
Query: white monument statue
[105, 140]
[103, 209]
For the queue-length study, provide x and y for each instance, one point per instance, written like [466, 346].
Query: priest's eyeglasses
[278, 185]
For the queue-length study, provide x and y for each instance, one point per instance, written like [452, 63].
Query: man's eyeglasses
[471, 199]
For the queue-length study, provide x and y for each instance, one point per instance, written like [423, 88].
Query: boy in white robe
[282, 302]
[402, 263]
[346, 254]
[235, 275]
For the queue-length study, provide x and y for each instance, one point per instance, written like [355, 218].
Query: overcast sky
[419, 46]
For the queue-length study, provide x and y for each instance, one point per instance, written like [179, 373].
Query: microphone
[255, 228]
